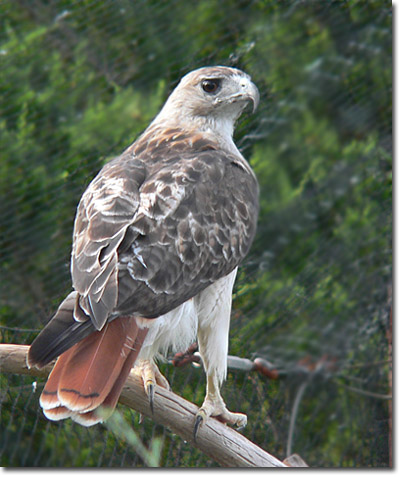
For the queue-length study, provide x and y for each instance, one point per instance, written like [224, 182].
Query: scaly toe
[236, 419]
[161, 380]
[151, 377]
[220, 412]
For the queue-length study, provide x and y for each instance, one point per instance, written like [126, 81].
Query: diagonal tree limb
[216, 440]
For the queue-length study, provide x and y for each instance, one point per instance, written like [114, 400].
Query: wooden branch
[216, 440]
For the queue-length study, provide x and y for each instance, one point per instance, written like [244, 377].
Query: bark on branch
[216, 440]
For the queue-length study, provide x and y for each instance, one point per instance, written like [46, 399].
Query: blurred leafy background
[79, 80]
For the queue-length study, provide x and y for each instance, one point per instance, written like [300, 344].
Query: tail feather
[107, 406]
[57, 413]
[92, 365]
[88, 419]
[91, 374]
[60, 334]
[112, 398]
[95, 364]
[49, 397]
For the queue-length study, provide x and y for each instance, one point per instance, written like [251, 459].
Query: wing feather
[159, 224]
[104, 213]
[194, 208]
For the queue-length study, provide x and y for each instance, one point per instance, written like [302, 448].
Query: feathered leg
[214, 305]
[214, 406]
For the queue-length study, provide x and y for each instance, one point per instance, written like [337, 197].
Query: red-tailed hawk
[158, 236]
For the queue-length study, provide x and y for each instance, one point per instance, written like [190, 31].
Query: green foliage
[151, 457]
[80, 80]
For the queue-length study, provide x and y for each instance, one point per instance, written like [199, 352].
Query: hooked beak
[249, 94]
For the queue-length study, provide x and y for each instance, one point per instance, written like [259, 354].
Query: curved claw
[199, 420]
[150, 395]
[240, 427]
[151, 377]
[219, 411]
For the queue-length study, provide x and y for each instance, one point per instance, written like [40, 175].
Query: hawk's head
[211, 98]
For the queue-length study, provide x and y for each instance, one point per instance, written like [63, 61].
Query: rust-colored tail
[90, 375]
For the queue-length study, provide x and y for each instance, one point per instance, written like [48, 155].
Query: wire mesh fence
[80, 80]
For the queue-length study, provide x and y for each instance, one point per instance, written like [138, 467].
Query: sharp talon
[141, 418]
[197, 424]
[151, 377]
[150, 394]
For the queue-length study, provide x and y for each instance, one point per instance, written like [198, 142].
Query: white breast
[175, 331]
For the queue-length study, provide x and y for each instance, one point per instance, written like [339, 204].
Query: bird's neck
[213, 128]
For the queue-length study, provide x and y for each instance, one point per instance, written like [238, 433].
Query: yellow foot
[217, 408]
[151, 376]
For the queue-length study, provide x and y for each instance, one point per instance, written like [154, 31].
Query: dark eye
[210, 85]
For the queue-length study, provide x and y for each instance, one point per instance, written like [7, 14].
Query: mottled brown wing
[195, 223]
[150, 235]
[105, 211]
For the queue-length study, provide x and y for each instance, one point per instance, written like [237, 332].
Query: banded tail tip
[57, 413]
[86, 419]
